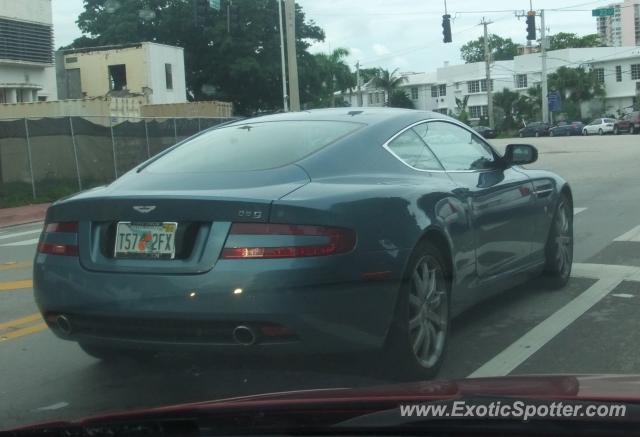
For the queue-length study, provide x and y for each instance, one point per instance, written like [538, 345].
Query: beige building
[153, 70]
[623, 28]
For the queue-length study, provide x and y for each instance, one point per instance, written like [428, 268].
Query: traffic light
[446, 28]
[531, 25]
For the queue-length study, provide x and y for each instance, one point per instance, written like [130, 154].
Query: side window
[456, 148]
[412, 151]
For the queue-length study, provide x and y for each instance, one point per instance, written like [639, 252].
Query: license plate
[146, 240]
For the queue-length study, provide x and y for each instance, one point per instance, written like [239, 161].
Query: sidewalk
[22, 214]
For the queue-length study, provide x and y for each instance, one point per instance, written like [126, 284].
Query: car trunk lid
[203, 205]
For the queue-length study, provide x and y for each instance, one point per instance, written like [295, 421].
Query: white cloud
[380, 50]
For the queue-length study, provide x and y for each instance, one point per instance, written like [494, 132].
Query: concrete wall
[65, 108]
[194, 109]
[145, 68]
[159, 55]
[27, 10]
[94, 69]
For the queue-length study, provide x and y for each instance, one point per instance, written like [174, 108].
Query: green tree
[576, 86]
[461, 109]
[400, 99]
[566, 40]
[335, 73]
[502, 49]
[240, 64]
[505, 100]
[528, 106]
[388, 81]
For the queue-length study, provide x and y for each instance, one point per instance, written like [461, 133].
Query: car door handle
[543, 193]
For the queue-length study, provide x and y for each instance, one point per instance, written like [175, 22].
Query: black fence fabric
[58, 156]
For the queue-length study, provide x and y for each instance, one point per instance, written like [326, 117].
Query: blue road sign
[555, 103]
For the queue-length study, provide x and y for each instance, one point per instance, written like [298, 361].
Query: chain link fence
[44, 159]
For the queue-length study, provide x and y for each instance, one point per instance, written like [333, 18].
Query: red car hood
[620, 388]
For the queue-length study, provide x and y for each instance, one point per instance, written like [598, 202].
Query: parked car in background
[535, 129]
[629, 123]
[565, 129]
[485, 131]
[599, 126]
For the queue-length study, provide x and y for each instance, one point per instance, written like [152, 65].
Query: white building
[623, 28]
[27, 72]
[617, 67]
[145, 69]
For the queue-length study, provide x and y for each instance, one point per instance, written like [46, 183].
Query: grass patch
[15, 194]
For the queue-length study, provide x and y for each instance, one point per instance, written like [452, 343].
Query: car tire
[584, 132]
[422, 313]
[112, 354]
[600, 131]
[559, 247]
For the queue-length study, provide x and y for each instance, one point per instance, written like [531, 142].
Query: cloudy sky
[404, 34]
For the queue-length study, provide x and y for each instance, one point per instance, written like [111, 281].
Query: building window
[42, 98]
[168, 75]
[599, 72]
[377, 97]
[478, 111]
[434, 91]
[483, 85]
[521, 81]
[442, 89]
[635, 72]
[117, 77]
[25, 41]
[473, 86]
[414, 93]
[618, 73]
[71, 60]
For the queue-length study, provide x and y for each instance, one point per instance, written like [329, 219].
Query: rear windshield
[255, 146]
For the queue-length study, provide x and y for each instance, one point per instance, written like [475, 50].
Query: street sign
[602, 12]
[215, 4]
[555, 103]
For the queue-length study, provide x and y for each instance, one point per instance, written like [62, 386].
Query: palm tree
[389, 82]
[336, 74]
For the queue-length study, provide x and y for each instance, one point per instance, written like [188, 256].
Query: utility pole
[229, 17]
[543, 53]
[487, 66]
[294, 91]
[285, 105]
[359, 95]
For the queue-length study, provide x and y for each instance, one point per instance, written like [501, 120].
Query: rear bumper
[299, 306]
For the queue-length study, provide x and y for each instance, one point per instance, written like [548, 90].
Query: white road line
[523, 348]
[632, 235]
[577, 211]
[19, 234]
[21, 243]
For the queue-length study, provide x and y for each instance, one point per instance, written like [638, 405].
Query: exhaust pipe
[244, 335]
[64, 325]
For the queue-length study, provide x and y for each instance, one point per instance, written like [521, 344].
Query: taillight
[336, 240]
[57, 248]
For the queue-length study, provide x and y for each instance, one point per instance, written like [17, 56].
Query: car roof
[369, 116]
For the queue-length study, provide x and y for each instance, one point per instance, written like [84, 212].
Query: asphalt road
[589, 327]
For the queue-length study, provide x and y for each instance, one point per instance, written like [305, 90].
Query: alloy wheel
[428, 311]
[564, 239]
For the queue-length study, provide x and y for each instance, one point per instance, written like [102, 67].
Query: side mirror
[520, 154]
